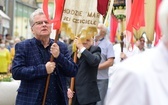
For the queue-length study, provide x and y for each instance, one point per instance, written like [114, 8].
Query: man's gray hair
[38, 11]
[163, 19]
[102, 27]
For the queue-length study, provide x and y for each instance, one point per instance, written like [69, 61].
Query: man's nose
[44, 23]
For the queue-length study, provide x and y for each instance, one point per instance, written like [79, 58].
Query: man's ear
[32, 30]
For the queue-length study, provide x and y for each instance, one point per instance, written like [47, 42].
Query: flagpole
[72, 80]
[109, 11]
[122, 43]
[51, 60]
[48, 77]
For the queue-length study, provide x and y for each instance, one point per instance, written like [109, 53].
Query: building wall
[2, 4]
[19, 12]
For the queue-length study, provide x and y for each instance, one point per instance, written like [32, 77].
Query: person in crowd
[128, 50]
[12, 49]
[141, 44]
[10, 44]
[86, 90]
[16, 40]
[32, 65]
[141, 80]
[5, 59]
[8, 37]
[107, 59]
[70, 46]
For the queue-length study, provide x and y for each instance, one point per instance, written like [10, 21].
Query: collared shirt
[53, 90]
[106, 52]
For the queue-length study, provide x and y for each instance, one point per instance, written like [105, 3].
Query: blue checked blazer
[29, 67]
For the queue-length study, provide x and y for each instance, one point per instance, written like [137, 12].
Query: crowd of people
[103, 74]
[7, 52]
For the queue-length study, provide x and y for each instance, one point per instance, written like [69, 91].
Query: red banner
[102, 6]
[113, 28]
[58, 12]
[137, 18]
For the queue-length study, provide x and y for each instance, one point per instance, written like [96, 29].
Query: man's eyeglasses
[40, 23]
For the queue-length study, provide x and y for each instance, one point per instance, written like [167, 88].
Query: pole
[51, 59]
[72, 79]
[48, 77]
[122, 43]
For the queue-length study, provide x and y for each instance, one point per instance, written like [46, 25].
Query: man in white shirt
[142, 79]
[127, 52]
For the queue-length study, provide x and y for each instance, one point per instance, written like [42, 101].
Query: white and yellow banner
[80, 16]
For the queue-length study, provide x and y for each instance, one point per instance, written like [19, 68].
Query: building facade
[19, 11]
[4, 19]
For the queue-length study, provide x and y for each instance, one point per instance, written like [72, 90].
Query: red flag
[45, 8]
[129, 35]
[157, 28]
[137, 18]
[58, 12]
[113, 28]
[102, 6]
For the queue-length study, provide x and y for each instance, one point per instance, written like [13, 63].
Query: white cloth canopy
[3, 15]
[4, 19]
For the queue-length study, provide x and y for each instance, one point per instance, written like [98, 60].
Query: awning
[4, 19]
[3, 15]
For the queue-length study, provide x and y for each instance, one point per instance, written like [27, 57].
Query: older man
[89, 57]
[32, 65]
[107, 59]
